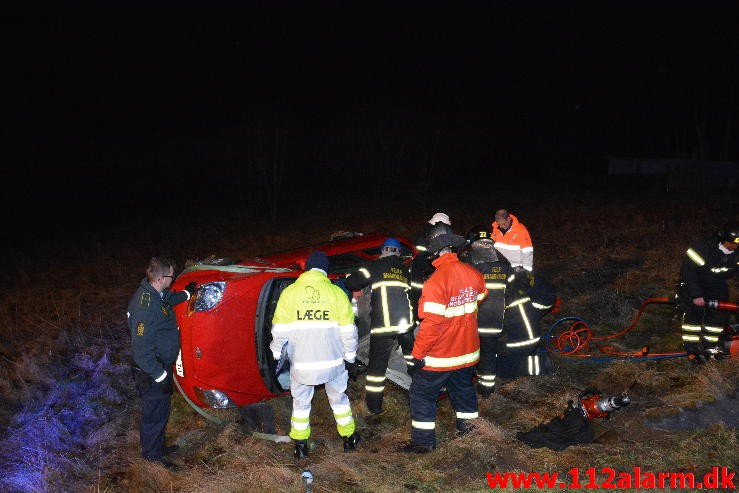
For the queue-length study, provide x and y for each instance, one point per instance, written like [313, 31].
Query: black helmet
[479, 232]
[729, 232]
[442, 235]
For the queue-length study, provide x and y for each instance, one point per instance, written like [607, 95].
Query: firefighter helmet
[442, 235]
[440, 217]
[729, 232]
[479, 232]
[391, 246]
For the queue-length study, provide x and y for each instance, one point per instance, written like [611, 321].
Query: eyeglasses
[171, 277]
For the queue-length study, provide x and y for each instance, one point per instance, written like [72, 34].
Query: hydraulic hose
[576, 339]
[256, 434]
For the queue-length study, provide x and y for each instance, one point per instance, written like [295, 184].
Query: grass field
[69, 413]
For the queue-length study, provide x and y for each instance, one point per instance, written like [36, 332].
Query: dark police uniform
[390, 318]
[703, 273]
[155, 344]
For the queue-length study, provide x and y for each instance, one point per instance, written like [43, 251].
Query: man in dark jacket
[155, 345]
[390, 315]
[707, 265]
[495, 269]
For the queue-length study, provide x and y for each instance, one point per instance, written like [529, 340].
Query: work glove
[353, 369]
[191, 287]
[414, 364]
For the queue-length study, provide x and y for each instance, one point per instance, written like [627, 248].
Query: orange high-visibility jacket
[515, 244]
[447, 338]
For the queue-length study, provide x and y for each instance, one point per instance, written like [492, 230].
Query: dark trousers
[423, 394]
[381, 346]
[155, 408]
[703, 324]
[486, 367]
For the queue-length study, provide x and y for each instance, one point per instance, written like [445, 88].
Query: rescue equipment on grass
[593, 404]
[575, 341]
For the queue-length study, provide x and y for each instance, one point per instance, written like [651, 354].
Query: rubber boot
[301, 449]
[350, 442]
[484, 390]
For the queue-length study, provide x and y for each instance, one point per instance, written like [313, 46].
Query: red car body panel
[224, 348]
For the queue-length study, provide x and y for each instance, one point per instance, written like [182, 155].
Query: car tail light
[215, 398]
[208, 296]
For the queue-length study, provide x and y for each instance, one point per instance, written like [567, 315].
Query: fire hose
[574, 340]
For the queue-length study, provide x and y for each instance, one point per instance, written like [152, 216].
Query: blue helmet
[391, 246]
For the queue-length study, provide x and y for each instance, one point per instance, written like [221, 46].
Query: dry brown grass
[604, 255]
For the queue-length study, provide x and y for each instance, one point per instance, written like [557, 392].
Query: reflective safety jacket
[390, 308]
[515, 244]
[447, 338]
[521, 325]
[706, 268]
[315, 319]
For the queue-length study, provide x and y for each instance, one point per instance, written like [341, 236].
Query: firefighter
[391, 317]
[512, 239]
[707, 265]
[421, 268]
[495, 269]
[314, 318]
[447, 346]
[519, 348]
[155, 345]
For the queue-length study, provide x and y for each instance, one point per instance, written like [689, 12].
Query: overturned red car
[225, 328]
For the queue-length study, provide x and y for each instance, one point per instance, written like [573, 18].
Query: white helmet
[440, 217]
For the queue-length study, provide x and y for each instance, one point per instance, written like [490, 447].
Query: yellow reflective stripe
[393, 328]
[423, 425]
[317, 365]
[374, 378]
[344, 421]
[408, 357]
[533, 365]
[480, 330]
[481, 296]
[458, 311]
[715, 330]
[695, 257]
[718, 270]
[691, 328]
[417, 285]
[691, 338]
[453, 361]
[495, 285]
[526, 321]
[467, 415]
[420, 248]
[511, 278]
[397, 284]
[486, 377]
[374, 388]
[365, 272]
[539, 306]
[385, 309]
[435, 308]
[519, 301]
[710, 338]
[523, 343]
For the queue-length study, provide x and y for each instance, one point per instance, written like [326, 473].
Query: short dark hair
[158, 267]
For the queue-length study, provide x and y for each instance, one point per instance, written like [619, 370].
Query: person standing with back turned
[314, 318]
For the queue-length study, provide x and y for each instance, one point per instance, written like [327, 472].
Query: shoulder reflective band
[695, 257]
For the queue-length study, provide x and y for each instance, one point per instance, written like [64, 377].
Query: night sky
[110, 114]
